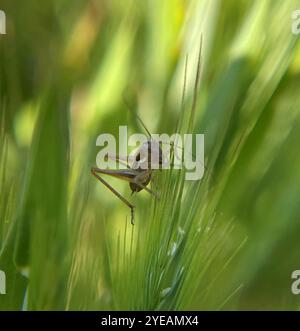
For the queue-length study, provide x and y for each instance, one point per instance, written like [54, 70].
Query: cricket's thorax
[149, 156]
[149, 153]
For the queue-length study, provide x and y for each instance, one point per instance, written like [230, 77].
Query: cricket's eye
[138, 157]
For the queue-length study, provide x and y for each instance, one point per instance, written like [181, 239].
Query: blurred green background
[229, 241]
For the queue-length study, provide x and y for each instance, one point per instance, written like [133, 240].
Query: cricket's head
[149, 156]
[142, 181]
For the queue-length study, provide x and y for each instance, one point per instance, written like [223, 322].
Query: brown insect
[139, 174]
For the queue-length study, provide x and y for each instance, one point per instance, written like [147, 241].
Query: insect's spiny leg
[132, 215]
[95, 172]
[155, 194]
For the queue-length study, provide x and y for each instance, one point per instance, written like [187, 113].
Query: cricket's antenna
[184, 81]
[179, 119]
[143, 125]
[137, 116]
[197, 79]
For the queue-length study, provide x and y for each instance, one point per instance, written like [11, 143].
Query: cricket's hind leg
[95, 172]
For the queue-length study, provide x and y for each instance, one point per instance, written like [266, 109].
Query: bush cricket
[138, 174]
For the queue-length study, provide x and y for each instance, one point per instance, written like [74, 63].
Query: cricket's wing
[120, 159]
